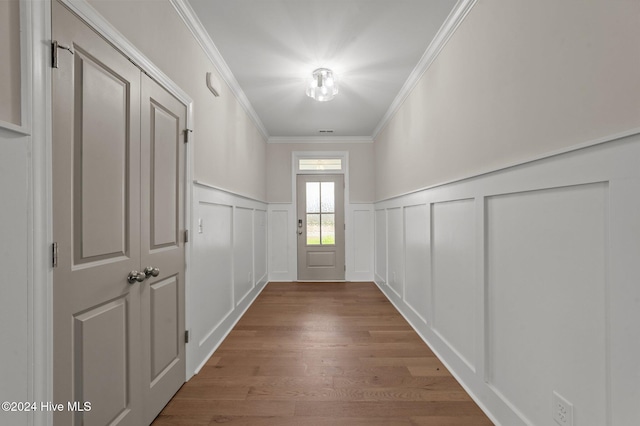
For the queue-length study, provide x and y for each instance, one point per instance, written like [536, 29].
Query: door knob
[151, 271]
[136, 276]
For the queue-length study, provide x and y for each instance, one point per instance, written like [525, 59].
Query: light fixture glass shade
[323, 85]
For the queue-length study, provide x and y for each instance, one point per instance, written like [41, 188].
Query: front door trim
[295, 157]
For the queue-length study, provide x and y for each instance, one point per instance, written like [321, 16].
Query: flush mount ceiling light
[323, 85]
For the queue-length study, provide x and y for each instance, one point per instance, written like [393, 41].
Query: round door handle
[151, 271]
[136, 276]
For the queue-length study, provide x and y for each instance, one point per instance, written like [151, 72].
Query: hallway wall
[524, 282]
[507, 205]
[230, 152]
[516, 81]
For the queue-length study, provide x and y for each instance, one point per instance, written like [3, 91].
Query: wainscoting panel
[381, 247]
[546, 276]
[260, 246]
[14, 304]
[360, 237]
[524, 282]
[454, 283]
[242, 253]
[417, 285]
[395, 238]
[228, 267]
[282, 243]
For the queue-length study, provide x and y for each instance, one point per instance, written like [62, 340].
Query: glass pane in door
[328, 229]
[313, 229]
[327, 197]
[313, 197]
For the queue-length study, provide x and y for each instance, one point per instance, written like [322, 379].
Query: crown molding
[320, 139]
[194, 25]
[453, 21]
[85, 11]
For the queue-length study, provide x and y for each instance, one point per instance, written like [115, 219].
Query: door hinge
[54, 255]
[186, 235]
[186, 135]
[186, 336]
[54, 52]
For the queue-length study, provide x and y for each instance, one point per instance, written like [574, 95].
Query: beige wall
[10, 85]
[229, 152]
[518, 79]
[361, 188]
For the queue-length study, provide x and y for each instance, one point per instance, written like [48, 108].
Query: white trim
[295, 157]
[610, 164]
[26, 76]
[193, 23]
[40, 305]
[228, 191]
[95, 20]
[204, 40]
[453, 21]
[320, 139]
[598, 141]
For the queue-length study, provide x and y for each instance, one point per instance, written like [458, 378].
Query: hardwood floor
[322, 354]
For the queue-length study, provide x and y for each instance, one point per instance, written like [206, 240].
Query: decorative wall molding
[194, 25]
[320, 139]
[547, 156]
[504, 257]
[27, 51]
[95, 20]
[228, 267]
[227, 191]
[448, 28]
[283, 242]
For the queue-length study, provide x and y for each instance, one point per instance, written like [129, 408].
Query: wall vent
[325, 131]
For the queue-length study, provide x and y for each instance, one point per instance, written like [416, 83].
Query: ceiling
[272, 46]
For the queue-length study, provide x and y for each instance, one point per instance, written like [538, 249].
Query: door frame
[38, 27]
[296, 156]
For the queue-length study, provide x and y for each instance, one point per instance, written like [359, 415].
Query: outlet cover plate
[562, 410]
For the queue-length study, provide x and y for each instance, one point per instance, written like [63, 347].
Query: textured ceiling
[272, 46]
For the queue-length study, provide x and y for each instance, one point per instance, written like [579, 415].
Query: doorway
[320, 227]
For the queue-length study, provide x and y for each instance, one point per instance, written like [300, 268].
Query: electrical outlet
[562, 410]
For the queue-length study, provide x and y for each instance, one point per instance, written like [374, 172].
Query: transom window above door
[320, 164]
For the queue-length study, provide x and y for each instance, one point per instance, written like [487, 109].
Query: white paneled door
[320, 227]
[118, 221]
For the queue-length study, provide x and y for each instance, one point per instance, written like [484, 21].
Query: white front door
[118, 208]
[320, 227]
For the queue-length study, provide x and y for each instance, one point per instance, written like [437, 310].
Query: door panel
[100, 156]
[101, 344]
[96, 157]
[162, 169]
[318, 259]
[320, 200]
[165, 156]
[164, 326]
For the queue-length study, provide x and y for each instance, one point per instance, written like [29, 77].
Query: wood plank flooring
[318, 354]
